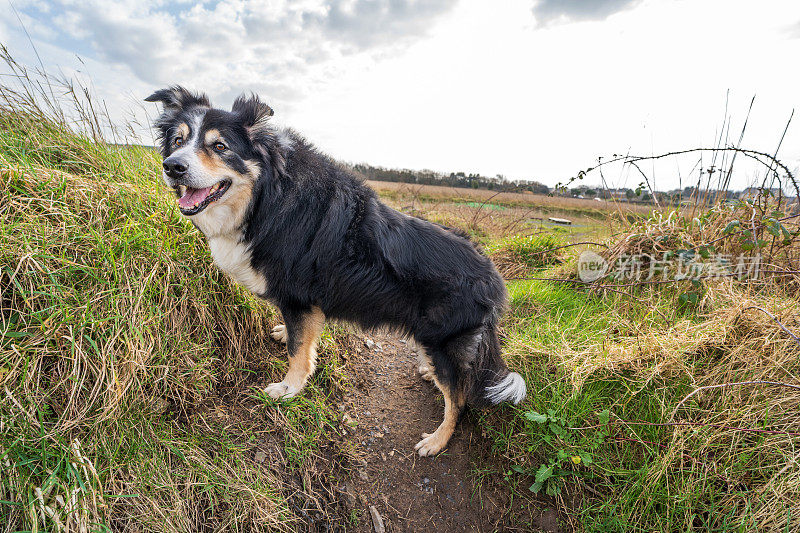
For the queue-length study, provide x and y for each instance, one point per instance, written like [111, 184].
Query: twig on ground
[773, 317]
[692, 424]
[722, 385]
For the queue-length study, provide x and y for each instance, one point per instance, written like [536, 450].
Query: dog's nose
[174, 168]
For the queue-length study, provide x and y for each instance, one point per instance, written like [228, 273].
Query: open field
[542, 203]
[131, 371]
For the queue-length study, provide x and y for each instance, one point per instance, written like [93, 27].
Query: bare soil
[392, 406]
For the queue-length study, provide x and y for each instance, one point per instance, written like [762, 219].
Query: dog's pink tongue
[193, 196]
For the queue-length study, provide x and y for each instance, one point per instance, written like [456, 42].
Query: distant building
[752, 192]
[620, 195]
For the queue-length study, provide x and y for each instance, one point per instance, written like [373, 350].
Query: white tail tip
[510, 389]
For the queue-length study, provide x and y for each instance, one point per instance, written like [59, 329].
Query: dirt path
[370, 461]
[391, 406]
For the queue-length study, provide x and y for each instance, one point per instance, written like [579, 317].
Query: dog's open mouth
[192, 201]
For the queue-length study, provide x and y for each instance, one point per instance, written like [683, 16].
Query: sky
[528, 89]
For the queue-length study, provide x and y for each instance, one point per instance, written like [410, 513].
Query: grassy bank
[127, 361]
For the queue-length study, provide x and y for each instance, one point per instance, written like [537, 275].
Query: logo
[591, 266]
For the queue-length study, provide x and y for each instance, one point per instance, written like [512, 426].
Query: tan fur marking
[212, 163]
[239, 199]
[435, 442]
[303, 362]
[212, 136]
[183, 130]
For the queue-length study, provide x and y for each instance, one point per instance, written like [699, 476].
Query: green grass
[116, 330]
[527, 251]
[634, 477]
[581, 321]
[493, 207]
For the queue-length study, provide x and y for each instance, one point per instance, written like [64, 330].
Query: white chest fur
[233, 257]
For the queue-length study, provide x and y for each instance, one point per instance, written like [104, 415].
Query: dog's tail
[495, 383]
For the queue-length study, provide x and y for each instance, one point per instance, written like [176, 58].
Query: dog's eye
[219, 147]
[178, 141]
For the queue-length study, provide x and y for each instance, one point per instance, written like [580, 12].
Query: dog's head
[212, 157]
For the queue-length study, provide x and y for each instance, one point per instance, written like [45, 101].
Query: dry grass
[765, 229]
[543, 203]
[724, 458]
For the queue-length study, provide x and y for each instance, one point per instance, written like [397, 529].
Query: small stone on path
[377, 521]
[348, 421]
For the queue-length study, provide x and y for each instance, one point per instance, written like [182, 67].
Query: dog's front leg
[301, 333]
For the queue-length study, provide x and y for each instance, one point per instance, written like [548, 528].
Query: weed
[570, 451]
[518, 255]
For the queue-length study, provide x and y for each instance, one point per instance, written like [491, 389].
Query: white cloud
[262, 44]
[547, 11]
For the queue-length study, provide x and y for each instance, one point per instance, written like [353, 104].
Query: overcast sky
[527, 89]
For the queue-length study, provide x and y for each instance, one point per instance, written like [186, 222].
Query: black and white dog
[302, 231]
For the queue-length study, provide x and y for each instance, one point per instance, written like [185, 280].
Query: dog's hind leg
[302, 332]
[433, 443]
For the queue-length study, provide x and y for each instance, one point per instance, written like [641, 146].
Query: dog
[304, 232]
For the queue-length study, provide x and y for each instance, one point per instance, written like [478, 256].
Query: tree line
[453, 179]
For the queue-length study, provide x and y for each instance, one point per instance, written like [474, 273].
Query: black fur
[321, 237]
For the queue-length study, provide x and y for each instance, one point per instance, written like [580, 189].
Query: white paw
[431, 444]
[279, 333]
[426, 371]
[281, 390]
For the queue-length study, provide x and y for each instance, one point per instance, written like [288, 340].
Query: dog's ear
[253, 113]
[177, 98]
